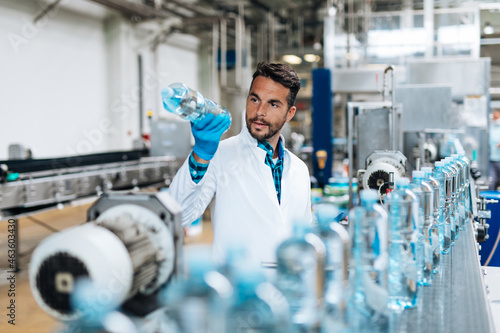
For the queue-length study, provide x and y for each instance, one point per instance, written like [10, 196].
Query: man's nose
[260, 110]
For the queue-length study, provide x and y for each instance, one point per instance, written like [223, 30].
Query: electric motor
[130, 246]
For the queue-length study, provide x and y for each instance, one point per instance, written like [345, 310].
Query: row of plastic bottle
[333, 279]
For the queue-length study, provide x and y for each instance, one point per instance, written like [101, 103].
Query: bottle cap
[426, 170]
[454, 156]
[439, 164]
[368, 195]
[403, 181]
[417, 174]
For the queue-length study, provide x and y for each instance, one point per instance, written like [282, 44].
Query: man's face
[267, 110]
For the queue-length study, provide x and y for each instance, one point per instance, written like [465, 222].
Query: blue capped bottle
[300, 264]
[425, 193]
[435, 225]
[189, 104]
[369, 233]
[402, 205]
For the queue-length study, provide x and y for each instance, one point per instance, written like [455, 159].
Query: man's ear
[290, 113]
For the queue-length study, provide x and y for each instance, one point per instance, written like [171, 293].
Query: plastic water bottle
[257, 305]
[199, 302]
[447, 208]
[369, 231]
[402, 205]
[466, 161]
[444, 233]
[436, 238]
[299, 268]
[337, 244]
[454, 218]
[461, 190]
[189, 104]
[425, 193]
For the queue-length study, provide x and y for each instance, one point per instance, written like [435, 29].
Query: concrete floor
[30, 318]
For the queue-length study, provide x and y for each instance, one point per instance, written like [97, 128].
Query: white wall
[53, 84]
[69, 85]
[177, 61]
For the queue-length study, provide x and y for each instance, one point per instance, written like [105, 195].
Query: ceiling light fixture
[312, 57]
[292, 59]
[488, 29]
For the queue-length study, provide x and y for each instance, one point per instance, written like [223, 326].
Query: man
[494, 172]
[259, 187]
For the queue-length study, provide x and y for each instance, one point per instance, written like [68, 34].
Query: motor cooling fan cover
[377, 174]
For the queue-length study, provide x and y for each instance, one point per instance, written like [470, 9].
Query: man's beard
[272, 130]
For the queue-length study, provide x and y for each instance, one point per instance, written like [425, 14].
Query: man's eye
[274, 105]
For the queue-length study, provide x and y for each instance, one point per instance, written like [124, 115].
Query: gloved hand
[207, 133]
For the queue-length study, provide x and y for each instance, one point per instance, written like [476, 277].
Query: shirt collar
[269, 149]
[249, 139]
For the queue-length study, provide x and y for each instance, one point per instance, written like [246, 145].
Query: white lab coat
[245, 211]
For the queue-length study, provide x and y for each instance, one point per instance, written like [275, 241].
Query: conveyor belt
[456, 301]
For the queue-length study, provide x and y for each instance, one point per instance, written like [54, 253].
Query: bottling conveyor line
[57, 181]
[457, 300]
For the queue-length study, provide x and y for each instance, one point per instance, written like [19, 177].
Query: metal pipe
[215, 49]
[300, 34]
[261, 46]
[239, 45]
[223, 50]
[272, 40]
[350, 125]
[46, 10]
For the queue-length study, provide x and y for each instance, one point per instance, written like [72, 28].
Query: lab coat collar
[249, 139]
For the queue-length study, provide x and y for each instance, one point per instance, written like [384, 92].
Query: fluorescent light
[292, 59]
[311, 57]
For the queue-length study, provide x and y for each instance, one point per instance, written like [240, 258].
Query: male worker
[259, 187]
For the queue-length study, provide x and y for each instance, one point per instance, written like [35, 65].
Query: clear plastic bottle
[199, 302]
[425, 193]
[368, 227]
[300, 264]
[441, 169]
[461, 189]
[257, 305]
[466, 161]
[454, 217]
[337, 244]
[189, 104]
[435, 226]
[402, 205]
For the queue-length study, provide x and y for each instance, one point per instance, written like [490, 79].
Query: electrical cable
[380, 194]
[42, 224]
[493, 249]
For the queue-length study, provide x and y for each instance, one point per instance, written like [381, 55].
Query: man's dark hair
[282, 74]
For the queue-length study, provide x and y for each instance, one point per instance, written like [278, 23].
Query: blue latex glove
[207, 133]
